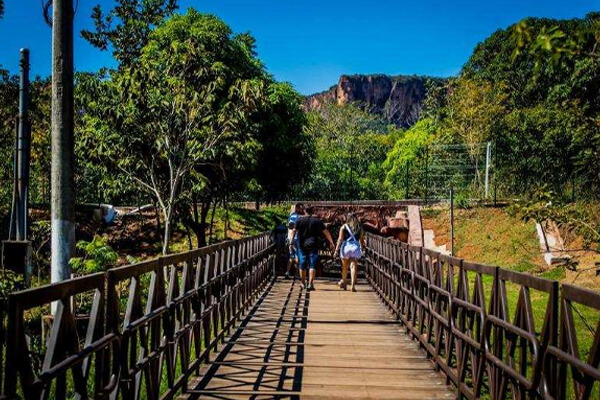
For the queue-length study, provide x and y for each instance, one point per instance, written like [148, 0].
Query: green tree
[566, 60]
[39, 116]
[98, 179]
[127, 27]
[531, 89]
[350, 144]
[285, 156]
[473, 111]
[97, 256]
[538, 146]
[190, 99]
[9, 94]
[407, 152]
[278, 156]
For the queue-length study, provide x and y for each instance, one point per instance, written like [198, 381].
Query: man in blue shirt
[293, 254]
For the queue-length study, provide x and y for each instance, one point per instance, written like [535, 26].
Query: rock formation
[399, 99]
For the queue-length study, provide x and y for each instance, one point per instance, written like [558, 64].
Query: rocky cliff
[399, 99]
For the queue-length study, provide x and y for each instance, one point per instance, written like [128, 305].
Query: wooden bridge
[326, 343]
[217, 323]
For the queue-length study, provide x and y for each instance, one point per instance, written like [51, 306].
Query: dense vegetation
[191, 119]
[530, 90]
[351, 146]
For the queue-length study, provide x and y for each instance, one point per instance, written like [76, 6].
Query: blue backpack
[292, 220]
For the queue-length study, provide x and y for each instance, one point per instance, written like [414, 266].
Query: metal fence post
[488, 156]
[495, 172]
[426, 174]
[451, 221]
[406, 180]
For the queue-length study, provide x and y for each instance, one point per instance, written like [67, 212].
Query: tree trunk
[158, 224]
[200, 219]
[189, 235]
[167, 234]
[63, 192]
[195, 208]
[212, 220]
[226, 222]
[193, 221]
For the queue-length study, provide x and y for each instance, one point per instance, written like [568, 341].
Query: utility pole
[63, 192]
[23, 149]
[16, 251]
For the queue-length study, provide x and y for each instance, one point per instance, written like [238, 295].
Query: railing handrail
[465, 326]
[192, 299]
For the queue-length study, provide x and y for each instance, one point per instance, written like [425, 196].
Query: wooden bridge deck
[326, 343]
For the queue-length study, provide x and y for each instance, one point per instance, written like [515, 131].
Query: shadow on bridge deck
[322, 344]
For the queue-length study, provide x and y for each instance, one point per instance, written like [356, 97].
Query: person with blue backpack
[291, 241]
[351, 241]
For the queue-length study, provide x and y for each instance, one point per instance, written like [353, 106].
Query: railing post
[549, 380]
[495, 310]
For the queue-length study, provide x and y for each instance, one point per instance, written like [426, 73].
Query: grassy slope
[488, 236]
[242, 222]
[494, 237]
[246, 222]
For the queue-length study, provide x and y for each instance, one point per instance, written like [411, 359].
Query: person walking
[293, 250]
[309, 231]
[351, 241]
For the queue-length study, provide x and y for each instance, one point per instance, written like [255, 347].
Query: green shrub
[10, 282]
[461, 201]
[98, 256]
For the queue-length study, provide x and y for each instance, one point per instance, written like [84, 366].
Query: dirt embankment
[496, 237]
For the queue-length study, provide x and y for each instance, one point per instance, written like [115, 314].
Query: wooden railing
[494, 333]
[138, 331]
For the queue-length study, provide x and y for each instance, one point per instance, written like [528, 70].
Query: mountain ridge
[397, 98]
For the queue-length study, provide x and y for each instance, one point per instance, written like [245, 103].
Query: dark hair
[309, 210]
[298, 207]
[354, 224]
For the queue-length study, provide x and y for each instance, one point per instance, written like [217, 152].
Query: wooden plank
[327, 343]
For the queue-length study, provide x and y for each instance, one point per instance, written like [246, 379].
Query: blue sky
[311, 43]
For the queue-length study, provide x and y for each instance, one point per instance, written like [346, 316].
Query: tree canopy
[126, 28]
[351, 145]
[530, 90]
[197, 112]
